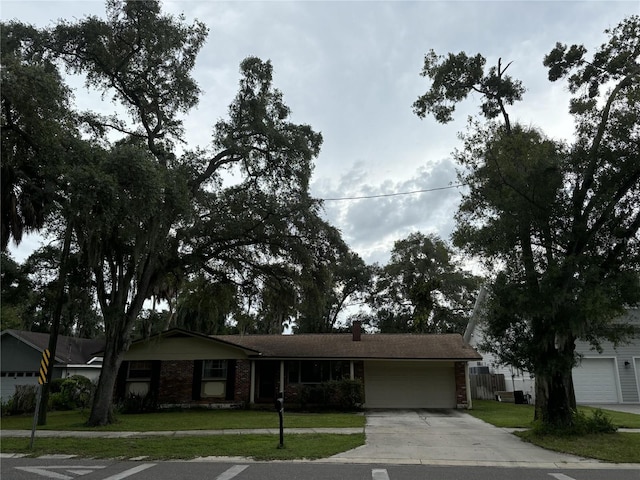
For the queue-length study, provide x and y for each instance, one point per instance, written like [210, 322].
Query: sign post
[42, 379]
[279, 404]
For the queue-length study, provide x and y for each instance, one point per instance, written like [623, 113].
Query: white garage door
[595, 381]
[8, 385]
[406, 384]
[637, 365]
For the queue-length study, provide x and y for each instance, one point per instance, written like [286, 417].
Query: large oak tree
[556, 223]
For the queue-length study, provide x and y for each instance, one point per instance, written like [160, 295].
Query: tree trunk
[555, 397]
[102, 408]
[555, 400]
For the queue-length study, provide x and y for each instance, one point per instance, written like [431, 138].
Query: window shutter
[121, 380]
[231, 380]
[154, 386]
[197, 380]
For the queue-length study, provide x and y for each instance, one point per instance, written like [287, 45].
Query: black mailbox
[279, 404]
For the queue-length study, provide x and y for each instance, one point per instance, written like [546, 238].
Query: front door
[267, 373]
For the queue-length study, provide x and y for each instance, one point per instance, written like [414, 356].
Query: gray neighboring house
[21, 353]
[610, 377]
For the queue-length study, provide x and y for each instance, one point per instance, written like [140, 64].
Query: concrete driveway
[448, 437]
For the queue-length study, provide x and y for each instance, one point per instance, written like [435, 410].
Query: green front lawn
[501, 414]
[509, 415]
[258, 447]
[614, 447]
[195, 419]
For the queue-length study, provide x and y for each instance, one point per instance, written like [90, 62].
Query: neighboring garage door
[8, 385]
[405, 384]
[595, 381]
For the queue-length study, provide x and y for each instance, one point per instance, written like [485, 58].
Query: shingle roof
[382, 346]
[69, 350]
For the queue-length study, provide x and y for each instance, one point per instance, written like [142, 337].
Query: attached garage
[595, 380]
[409, 384]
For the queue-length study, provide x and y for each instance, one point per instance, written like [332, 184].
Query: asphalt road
[70, 469]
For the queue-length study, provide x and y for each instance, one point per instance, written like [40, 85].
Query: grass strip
[193, 419]
[510, 415]
[612, 447]
[258, 447]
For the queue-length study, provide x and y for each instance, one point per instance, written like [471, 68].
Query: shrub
[345, 395]
[136, 403]
[7, 407]
[598, 422]
[23, 400]
[56, 385]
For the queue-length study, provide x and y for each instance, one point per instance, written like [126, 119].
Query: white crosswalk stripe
[232, 472]
[50, 471]
[561, 476]
[131, 471]
[379, 474]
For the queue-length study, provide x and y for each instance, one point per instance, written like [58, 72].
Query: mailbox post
[279, 404]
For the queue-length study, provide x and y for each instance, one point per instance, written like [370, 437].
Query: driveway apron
[446, 437]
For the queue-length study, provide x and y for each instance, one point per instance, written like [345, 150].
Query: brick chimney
[356, 330]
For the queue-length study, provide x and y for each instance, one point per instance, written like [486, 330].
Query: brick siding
[176, 380]
[461, 385]
[243, 381]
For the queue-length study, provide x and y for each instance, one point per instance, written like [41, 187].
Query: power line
[382, 195]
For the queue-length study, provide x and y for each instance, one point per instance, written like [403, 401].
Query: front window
[214, 369]
[139, 370]
[214, 378]
[317, 371]
[139, 377]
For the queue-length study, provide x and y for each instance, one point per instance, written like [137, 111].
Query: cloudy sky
[352, 71]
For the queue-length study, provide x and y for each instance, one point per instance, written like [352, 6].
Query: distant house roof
[372, 346]
[69, 350]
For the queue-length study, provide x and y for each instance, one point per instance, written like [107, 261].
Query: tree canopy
[422, 289]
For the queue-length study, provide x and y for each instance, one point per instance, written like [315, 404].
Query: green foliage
[23, 400]
[422, 289]
[56, 385]
[15, 293]
[345, 395]
[79, 316]
[456, 76]
[73, 392]
[583, 424]
[337, 278]
[37, 130]
[135, 403]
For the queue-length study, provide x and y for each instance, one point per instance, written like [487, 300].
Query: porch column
[282, 378]
[467, 382]
[352, 374]
[252, 383]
